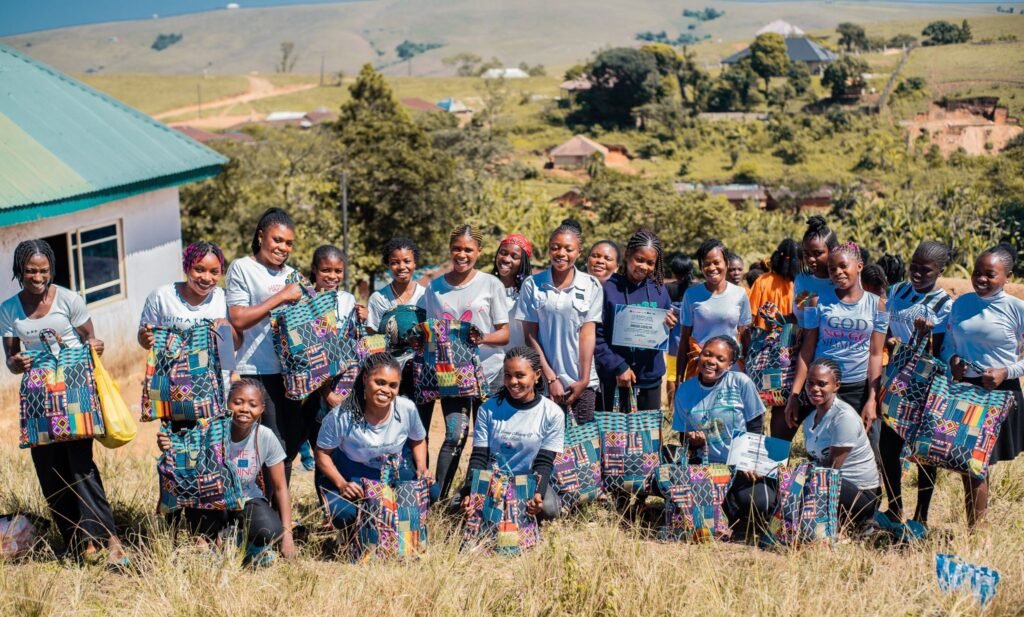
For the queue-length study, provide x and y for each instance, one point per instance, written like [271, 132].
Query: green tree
[799, 77]
[735, 89]
[942, 32]
[768, 57]
[851, 36]
[465, 63]
[779, 96]
[623, 79]
[288, 57]
[965, 32]
[396, 180]
[844, 74]
[575, 72]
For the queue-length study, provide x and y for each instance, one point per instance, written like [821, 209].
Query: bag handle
[771, 316]
[616, 403]
[685, 449]
[49, 338]
[304, 283]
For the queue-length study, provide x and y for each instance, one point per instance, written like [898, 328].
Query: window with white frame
[90, 261]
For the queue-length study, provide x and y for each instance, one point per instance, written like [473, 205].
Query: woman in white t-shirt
[357, 439]
[834, 436]
[401, 256]
[521, 431]
[467, 294]
[253, 447]
[512, 267]
[256, 285]
[68, 477]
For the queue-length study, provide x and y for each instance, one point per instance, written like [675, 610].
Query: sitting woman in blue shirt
[710, 408]
[357, 438]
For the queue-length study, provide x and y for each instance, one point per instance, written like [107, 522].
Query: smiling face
[815, 253]
[202, 277]
[844, 270]
[520, 379]
[821, 386]
[640, 263]
[246, 405]
[402, 263]
[924, 273]
[381, 386]
[714, 361]
[989, 275]
[329, 272]
[464, 251]
[36, 276]
[714, 268]
[603, 261]
[564, 250]
[508, 261]
[276, 244]
[735, 272]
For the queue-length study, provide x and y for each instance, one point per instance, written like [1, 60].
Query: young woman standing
[776, 286]
[512, 267]
[643, 284]
[984, 331]
[467, 294]
[67, 475]
[560, 309]
[814, 281]
[256, 284]
[401, 256]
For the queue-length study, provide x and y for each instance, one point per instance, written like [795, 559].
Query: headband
[518, 240]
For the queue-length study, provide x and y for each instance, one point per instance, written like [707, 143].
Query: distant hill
[347, 35]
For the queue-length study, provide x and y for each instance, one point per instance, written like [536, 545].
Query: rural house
[99, 182]
[799, 48]
[576, 152]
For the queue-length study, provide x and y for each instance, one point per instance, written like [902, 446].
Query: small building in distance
[576, 153]
[979, 125]
[418, 104]
[454, 106]
[799, 48]
[505, 73]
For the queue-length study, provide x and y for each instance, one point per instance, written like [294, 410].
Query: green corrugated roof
[66, 147]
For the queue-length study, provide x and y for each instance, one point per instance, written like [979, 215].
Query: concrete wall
[151, 236]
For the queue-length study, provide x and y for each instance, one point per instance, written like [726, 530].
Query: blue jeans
[341, 511]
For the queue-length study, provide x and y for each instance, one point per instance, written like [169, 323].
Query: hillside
[350, 34]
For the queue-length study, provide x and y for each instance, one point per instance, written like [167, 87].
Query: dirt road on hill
[259, 88]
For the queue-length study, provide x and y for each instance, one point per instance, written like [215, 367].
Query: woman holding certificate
[629, 366]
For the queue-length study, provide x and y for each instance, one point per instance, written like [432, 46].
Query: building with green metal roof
[99, 181]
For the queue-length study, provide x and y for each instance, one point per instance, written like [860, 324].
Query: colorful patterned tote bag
[183, 374]
[694, 495]
[499, 522]
[905, 384]
[630, 447]
[401, 326]
[392, 518]
[59, 401]
[808, 506]
[770, 360]
[577, 471]
[449, 364]
[959, 426]
[196, 472]
[307, 339]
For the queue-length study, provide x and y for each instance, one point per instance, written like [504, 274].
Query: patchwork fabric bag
[770, 360]
[694, 495]
[905, 384]
[196, 472]
[630, 447]
[401, 326]
[307, 339]
[499, 522]
[959, 426]
[392, 518]
[577, 470]
[59, 401]
[808, 506]
[183, 375]
[449, 364]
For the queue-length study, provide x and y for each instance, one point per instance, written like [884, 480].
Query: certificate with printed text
[758, 453]
[640, 326]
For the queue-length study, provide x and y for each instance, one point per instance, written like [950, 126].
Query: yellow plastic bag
[117, 420]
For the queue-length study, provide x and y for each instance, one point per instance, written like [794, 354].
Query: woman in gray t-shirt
[67, 475]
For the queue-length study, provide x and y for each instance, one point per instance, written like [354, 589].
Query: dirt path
[259, 88]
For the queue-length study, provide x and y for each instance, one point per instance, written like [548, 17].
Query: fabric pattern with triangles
[448, 365]
[196, 472]
[694, 495]
[577, 469]
[183, 374]
[770, 359]
[499, 522]
[392, 519]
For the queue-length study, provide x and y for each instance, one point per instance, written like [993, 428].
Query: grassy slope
[155, 93]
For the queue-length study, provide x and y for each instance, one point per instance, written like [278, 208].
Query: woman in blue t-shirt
[814, 281]
[848, 329]
[710, 408]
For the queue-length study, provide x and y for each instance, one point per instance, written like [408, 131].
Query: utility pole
[321, 70]
[199, 101]
[344, 223]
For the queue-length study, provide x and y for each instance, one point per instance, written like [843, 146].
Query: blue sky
[17, 16]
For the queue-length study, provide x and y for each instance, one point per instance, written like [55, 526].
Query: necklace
[400, 298]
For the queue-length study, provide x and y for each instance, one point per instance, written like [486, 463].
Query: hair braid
[26, 250]
[645, 238]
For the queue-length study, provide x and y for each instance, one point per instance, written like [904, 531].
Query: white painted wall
[151, 233]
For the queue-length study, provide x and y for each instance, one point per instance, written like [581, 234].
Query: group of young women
[546, 345]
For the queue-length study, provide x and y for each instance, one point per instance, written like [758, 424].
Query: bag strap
[616, 402]
[771, 316]
[49, 338]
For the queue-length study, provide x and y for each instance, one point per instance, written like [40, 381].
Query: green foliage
[735, 89]
[163, 41]
[537, 70]
[902, 40]
[851, 36]
[707, 14]
[407, 49]
[942, 32]
[844, 75]
[288, 58]
[575, 72]
[799, 77]
[465, 63]
[662, 37]
[623, 79]
[768, 57]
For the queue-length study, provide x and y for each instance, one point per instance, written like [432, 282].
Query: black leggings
[459, 413]
[749, 505]
[73, 491]
[260, 522]
[646, 398]
[283, 416]
[857, 506]
[890, 447]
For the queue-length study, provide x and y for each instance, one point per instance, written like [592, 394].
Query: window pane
[76, 285]
[108, 292]
[107, 231]
[99, 263]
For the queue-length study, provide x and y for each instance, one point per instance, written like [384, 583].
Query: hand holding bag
[117, 420]
[392, 519]
[196, 472]
[499, 522]
[771, 358]
[449, 364]
[630, 446]
[905, 384]
[184, 381]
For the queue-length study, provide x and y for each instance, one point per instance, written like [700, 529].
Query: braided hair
[533, 358]
[400, 244]
[818, 229]
[324, 252]
[26, 250]
[896, 270]
[356, 402]
[934, 251]
[734, 347]
[466, 231]
[197, 251]
[785, 260]
[270, 218]
[830, 364]
[873, 276]
[248, 382]
[847, 248]
[1005, 253]
[647, 239]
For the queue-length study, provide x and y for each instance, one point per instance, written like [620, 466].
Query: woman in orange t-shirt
[776, 286]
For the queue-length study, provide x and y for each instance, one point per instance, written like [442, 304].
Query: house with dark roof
[99, 182]
[799, 49]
